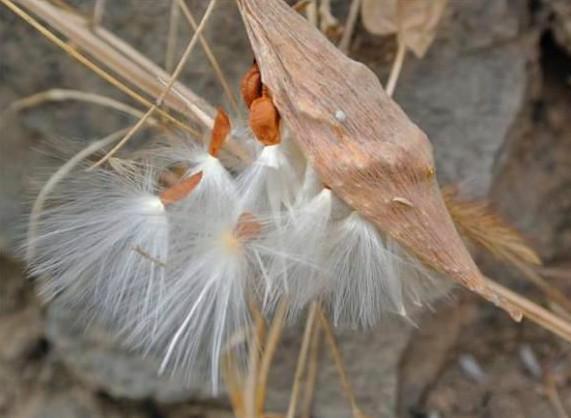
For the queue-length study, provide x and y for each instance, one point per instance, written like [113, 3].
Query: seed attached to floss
[265, 121]
[251, 85]
[248, 227]
[180, 190]
[220, 132]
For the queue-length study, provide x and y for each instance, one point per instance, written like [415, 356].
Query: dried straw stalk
[134, 70]
[120, 58]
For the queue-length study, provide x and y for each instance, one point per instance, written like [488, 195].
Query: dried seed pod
[372, 154]
[265, 121]
[251, 85]
[220, 132]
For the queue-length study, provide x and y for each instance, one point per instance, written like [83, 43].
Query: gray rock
[64, 404]
[460, 93]
[561, 10]
[371, 359]
[97, 359]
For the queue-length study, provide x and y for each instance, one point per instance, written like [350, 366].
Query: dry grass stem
[477, 222]
[302, 359]
[300, 5]
[172, 36]
[118, 56]
[553, 396]
[311, 12]
[132, 131]
[555, 272]
[60, 95]
[312, 369]
[396, 68]
[254, 348]
[551, 292]
[211, 58]
[349, 29]
[63, 5]
[149, 257]
[98, 10]
[87, 62]
[121, 58]
[234, 383]
[534, 312]
[270, 347]
[339, 364]
[328, 23]
[166, 89]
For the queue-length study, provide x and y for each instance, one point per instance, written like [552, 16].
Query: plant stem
[396, 68]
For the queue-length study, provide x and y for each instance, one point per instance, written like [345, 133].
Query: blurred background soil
[494, 96]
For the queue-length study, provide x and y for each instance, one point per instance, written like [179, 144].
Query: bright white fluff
[101, 246]
[364, 277]
[176, 279]
[216, 254]
[299, 274]
[371, 275]
[270, 183]
[216, 182]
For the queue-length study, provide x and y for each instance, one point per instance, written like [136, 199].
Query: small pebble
[530, 361]
[471, 368]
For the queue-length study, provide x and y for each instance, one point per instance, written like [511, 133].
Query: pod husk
[361, 143]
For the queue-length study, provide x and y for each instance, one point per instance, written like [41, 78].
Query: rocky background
[494, 95]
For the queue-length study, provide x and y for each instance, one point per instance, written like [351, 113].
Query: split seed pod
[360, 142]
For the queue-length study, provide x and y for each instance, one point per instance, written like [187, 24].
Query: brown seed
[265, 121]
[180, 190]
[251, 85]
[248, 227]
[220, 131]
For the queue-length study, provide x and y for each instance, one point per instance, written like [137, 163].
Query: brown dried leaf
[415, 21]
[358, 139]
[380, 16]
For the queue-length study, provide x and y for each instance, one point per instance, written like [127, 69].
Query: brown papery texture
[359, 140]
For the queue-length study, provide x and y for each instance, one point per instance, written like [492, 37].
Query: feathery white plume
[270, 183]
[300, 275]
[174, 271]
[364, 274]
[213, 262]
[102, 243]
